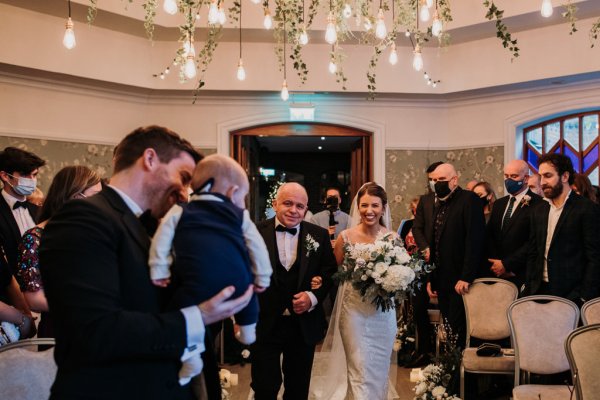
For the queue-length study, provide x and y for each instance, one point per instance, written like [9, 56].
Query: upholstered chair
[539, 327]
[583, 351]
[485, 307]
[590, 312]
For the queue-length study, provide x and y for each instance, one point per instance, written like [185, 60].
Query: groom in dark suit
[564, 250]
[507, 232]
[112, 341]
[291, 319]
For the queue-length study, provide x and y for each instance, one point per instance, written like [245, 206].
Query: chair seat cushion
[546, 392]
[473, 362]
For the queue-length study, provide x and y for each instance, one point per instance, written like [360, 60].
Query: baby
[213, 244]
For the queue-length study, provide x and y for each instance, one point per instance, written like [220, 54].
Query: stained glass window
[575, 136]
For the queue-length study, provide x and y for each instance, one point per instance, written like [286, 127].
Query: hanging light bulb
[417, 59]
[547, 9]
[347, 11]
[241, 72]
[424, 14]
[170, 7]
[268, 21]
[256, 1]
[393, 55]
[69, 38]
[407, 33]
[303, 38]
[198, 16]
[368, 25]
[189, 69]
[380, 29]
[436, 26]
[330, 31]
[429, 3]
[332, 66]
[284, 91]
[221, 17]
[213, 13]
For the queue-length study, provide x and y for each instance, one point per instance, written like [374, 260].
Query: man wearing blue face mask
[18, 172]
[509, 226]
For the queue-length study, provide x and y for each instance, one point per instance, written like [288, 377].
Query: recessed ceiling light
[320, 147]
[322, 137]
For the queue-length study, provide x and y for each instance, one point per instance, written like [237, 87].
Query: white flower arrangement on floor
[383, 271]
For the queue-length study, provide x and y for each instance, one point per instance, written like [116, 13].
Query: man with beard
[564, 252]
[112, 341]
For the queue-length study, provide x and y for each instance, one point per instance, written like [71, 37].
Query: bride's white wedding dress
[355, 359]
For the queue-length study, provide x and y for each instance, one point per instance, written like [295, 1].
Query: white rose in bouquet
[438, 391]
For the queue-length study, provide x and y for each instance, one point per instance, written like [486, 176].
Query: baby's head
[229, 177]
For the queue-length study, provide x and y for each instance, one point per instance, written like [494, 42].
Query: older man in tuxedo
[564, 250]
[18, 173]
[508, 229]
[291, 319]
[112, 341]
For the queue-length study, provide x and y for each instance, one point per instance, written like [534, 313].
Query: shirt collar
[9, 199]
[552, 206]
[519, 197]
[132, 205]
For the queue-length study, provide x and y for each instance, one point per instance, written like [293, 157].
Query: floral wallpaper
[59, 154]
[406, 178]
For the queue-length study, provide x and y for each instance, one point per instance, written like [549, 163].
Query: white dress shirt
[194, 326]
[553, 217]
[518, 200]
[21, 214]
[287, 247]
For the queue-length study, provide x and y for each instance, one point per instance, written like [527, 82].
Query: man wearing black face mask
[18, 173]
[509, 227]
[457, 246]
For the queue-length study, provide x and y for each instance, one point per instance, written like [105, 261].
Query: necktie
[508, 214]
[281, 228]
[20, 204]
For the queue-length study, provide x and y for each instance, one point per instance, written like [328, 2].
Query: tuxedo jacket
[423, 224]
[10, 235]
[461, 242]
[574, 253]
[320, 262]
[510, 243]
[111, 340]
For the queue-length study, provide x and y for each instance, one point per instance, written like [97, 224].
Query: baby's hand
[259, 289]
[316, 282]
[161, 282]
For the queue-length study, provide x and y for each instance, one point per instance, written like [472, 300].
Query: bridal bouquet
[383, 272]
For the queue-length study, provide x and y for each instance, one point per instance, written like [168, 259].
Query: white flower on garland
[310, 244]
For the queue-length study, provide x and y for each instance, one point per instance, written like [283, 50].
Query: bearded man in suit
[291, 319]
[507, 232]
[112, 341]
[564, 250]
[18, 173]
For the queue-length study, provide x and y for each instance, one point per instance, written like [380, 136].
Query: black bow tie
[281, 228]
[20, 204]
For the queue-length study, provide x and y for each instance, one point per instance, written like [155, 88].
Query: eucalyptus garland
[502, 32]
[150, 7]
[569, 15]
[594, 32]
[92, 11]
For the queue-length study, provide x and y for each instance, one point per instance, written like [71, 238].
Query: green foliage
[594, 32]
[502, 32]
[569, 15]
[92, 11]
[150, 7]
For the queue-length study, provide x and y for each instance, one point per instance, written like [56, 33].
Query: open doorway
[315, 155]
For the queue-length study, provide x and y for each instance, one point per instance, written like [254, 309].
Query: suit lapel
[271, 242]
[515, 214]
[302, 253]
[563, 217]
[9, 218]
[133, 225]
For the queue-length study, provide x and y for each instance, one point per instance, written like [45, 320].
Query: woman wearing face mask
[488, 197]
[73, 182]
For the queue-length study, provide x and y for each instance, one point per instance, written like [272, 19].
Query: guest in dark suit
[564, 250]
[507, 232]
[457, 244]
[18, 173]
[291, 319]
[112, 341]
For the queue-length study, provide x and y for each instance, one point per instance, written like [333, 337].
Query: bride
[359, 342]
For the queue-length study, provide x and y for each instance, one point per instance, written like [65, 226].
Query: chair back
[583, 350]
[485, 307]
[539, 326]
[590, 312]
[25, 373]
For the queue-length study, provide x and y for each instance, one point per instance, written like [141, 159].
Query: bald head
[516, 167]
[230, 179]
[446, 172]
[290, 205]
[292, 188]
[516, 176]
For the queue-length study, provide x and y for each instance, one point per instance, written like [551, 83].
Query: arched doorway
[297, 147]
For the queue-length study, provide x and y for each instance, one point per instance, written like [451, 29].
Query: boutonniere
[525, 201]
[310, 244]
